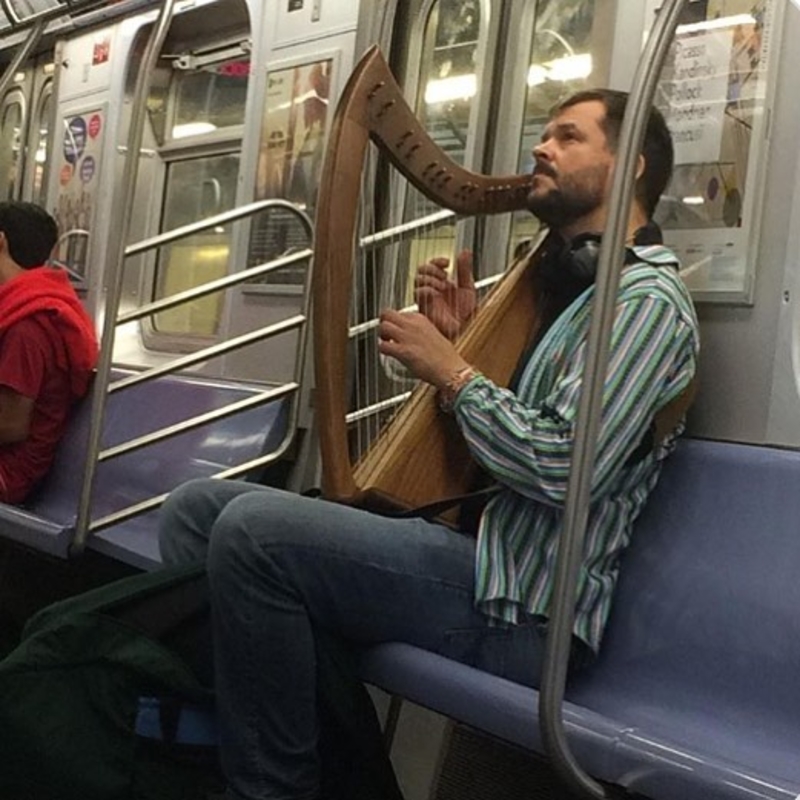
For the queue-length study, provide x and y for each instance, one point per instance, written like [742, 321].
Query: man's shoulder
[656, 271]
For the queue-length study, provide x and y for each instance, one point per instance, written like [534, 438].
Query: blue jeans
[277, 561]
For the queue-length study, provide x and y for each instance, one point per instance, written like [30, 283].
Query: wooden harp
[419, 456]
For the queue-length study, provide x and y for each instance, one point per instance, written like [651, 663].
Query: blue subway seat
[695, 695]
[47, 522]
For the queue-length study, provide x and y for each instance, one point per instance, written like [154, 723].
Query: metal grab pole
[25, 49]
[570, 550]
[117, 262]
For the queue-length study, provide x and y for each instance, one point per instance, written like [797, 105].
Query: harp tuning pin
[412, 150]
[430, 168]
[384, 108]
[375, 89]
[403, 139]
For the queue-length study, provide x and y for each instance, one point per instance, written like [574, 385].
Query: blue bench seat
[47, 521]
[696, 694]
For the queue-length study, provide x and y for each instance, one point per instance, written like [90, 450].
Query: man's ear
[640, 164]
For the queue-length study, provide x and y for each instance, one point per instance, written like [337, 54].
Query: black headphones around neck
[573, 262]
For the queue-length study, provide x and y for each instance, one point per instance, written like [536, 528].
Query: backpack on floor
[109, 697]
[97, 701]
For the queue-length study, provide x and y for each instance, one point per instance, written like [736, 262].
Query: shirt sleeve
[529, 448]
[24, 357]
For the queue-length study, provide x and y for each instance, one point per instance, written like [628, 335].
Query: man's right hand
[448, 305]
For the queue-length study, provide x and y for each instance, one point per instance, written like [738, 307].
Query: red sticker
[95, 123]
[101, 52]
[65, 175]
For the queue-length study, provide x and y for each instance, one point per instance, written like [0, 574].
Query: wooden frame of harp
[420, 457]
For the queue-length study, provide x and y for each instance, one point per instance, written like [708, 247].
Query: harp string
[385, 267]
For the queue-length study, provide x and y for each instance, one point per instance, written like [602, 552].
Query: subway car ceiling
[241, 71]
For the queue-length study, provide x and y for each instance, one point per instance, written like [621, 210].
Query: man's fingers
[431, 271]
[464, 269]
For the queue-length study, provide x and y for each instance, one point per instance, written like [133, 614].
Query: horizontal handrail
[191, 423]
[207, 353]
[234, 214]
[214, 286]
[136, 509]
[406, 230]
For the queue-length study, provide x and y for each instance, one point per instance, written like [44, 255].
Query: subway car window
[207, 112]
[210, 99]
[563, 57]
[196, 188]
[448, 90]
[448, 77]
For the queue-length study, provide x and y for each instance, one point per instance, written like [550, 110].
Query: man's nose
[541, 152]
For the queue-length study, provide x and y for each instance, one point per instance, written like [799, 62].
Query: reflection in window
[10, 144]
[712, 118]
[448, 79]
[196, 188]
[41, 163]
[562, 58]
[210, 98]
[448, 90]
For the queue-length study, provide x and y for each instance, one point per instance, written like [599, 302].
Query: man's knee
[178, 521]
[256, 528]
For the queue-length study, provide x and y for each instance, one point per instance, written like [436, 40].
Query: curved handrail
[96, 455]
[76, 233]
[570, 549]
[184, 231]
[116, 259]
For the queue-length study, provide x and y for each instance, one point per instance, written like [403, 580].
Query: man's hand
[446, 304]
[414, 341]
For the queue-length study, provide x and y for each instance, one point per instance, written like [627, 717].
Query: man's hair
[30, 231]
[657, 148]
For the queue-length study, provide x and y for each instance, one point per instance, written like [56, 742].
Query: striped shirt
[524, 440]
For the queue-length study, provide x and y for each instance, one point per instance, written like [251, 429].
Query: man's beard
[572, 198]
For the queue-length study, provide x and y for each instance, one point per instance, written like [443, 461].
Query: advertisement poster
[713, 94]
[290, 158]
[79, 160]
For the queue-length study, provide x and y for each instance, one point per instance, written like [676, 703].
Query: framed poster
[291, 150]
[715, 92]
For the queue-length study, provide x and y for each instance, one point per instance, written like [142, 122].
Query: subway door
[195, 125]
[302, 55]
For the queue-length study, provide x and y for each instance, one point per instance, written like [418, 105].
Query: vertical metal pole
[116, 260]
[611, 258]
[19, 57]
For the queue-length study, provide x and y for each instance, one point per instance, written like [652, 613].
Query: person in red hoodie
[48, 349]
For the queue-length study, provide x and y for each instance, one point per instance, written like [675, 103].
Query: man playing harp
[278, 562]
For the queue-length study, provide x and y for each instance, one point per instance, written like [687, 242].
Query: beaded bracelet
[449, 392]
